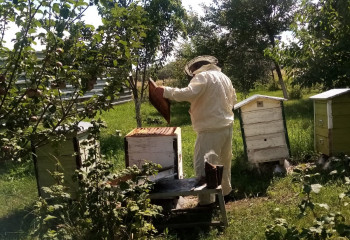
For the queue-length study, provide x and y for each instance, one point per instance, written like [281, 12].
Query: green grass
[260, 198]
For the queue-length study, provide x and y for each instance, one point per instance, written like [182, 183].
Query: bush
[108, 205]
[295, 92]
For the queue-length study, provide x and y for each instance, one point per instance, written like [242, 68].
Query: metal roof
[331, 93]
[254, 97]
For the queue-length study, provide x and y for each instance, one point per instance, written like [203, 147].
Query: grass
[260, 198]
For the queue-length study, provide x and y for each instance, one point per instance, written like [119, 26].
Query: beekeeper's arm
[193, 90]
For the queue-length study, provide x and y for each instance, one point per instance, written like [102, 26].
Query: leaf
[49, 217]
[316, 188]
[333, 172]
[56, 7]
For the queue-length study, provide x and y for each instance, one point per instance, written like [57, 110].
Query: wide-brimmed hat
[204, 58]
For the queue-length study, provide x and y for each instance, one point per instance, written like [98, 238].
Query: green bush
[108, 205]
[295, 92]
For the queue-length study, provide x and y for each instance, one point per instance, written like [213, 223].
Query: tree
[32, 106]
[320, 53]
[244, 66]
[164, 23]
[253, 26]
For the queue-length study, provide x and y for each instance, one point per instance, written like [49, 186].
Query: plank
[150, 144]
[320, 107]
[341, 121]
[339, 108]
[267, 103]
[165, 159]
[263, 115]
[322, 144]
[263, 128]
[266, 141]
[268, 154]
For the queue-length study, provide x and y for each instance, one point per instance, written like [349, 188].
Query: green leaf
[49, 217]
[56, 8]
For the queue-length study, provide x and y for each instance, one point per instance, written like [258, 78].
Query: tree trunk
[280, 79]
[137, 102]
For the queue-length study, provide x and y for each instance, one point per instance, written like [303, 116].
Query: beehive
[160, 145]
[264, 130]
[70, 154]
[331, 121]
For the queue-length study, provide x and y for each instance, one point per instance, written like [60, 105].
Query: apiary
[264, 130]
[160, 145]
[331, 122]
[64, 156]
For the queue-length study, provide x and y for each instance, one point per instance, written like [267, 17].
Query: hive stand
[168, 188]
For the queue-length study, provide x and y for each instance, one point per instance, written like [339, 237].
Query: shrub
[295, 92]
[108, 205]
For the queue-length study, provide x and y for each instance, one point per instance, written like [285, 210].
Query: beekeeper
[212, 98]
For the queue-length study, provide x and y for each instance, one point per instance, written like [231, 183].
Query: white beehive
[263, 128]
[160, 145]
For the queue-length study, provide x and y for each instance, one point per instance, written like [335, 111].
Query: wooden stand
[169, 188]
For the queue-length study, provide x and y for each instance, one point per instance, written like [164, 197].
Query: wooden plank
[321, 121]
[150, 144]
[341, 109]
[266, 141]
[63, 148]
[263, 128]
[165, 159]
[344, 98]
[322, 144]
[341, 122]
[257, 105]
[268, 154]
[322, 131]
[262, 115]
[321, 107]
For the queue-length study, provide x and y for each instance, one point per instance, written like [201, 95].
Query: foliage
[32, 104]
[242, 31]
[163, 23]
[327, 224]
[320, 53]
[107, 206]
[295, 92]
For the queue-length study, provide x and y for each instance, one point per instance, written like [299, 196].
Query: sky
[91, 17]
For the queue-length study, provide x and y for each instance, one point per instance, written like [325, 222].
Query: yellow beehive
[70, 154]
[332, 125]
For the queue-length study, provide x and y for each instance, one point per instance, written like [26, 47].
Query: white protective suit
[212, 98]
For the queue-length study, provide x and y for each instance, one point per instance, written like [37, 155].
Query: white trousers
[220, 142]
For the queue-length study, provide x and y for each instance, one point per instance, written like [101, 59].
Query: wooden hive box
[332, 122]
[264, 130]
[69, 153]
[160, 145]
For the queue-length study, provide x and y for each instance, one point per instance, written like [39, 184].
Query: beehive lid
[154, 131]
[255, 97]
[330, 93]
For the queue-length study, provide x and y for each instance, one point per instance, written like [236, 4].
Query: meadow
[259, 198]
